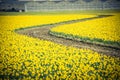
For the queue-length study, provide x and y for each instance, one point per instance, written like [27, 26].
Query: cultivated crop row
[23, 57]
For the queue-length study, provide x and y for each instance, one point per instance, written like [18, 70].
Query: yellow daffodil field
[27, 58]
[104, 29]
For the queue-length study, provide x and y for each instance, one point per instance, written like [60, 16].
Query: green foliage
[86, 39]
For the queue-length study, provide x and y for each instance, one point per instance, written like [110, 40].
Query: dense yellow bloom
[105, 28]
[27, 58]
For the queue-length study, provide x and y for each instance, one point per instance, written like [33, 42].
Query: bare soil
[43, 33]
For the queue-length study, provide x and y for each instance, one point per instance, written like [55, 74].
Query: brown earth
[43, 33]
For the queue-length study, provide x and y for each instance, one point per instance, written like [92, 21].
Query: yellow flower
[28, 57]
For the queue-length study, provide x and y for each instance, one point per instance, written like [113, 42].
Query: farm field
[23, 57]
[104, 30]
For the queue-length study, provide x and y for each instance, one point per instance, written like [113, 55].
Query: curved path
[43, 33]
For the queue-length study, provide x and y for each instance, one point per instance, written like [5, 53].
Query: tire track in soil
[43, 33]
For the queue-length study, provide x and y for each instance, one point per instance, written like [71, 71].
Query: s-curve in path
[42, 32]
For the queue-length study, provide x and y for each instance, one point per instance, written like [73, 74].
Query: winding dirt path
[43, 33]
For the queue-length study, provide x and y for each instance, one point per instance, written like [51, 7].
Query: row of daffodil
[106, 29]
[26, 58]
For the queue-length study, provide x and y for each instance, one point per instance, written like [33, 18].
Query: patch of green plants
[86, 39]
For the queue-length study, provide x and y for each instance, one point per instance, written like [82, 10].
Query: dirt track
[42, 33]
